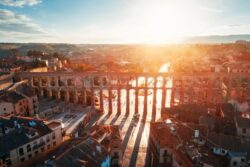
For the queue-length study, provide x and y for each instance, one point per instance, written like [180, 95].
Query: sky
[120, 21]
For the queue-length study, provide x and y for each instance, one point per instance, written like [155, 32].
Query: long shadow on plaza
[91, 123]
[123, 121]
[114, 119]
[104, 119]
[134, 155]
[147, 159]
[153, 116]
[127, 136]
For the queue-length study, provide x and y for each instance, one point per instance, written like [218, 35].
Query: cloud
[19, 3]
[11, 22]
[20, 27]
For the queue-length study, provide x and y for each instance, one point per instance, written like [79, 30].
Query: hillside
[66, 49]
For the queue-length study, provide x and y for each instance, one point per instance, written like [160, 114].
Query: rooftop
[106, 134]
[187, 147]
[54, 124]
[98, 130]
[227, 142]
[89, 151]
[25, 90]
[11, 97]
[161, 131]
[242, 122]
[4, 74]
[181, 156]
[17, 131]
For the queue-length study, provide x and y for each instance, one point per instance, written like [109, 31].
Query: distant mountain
[78, 50]
[70, 50]
[66, 49]
[217, 38]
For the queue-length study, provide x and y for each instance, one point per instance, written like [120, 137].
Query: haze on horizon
[120, 21]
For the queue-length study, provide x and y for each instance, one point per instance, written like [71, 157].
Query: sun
[165, 21]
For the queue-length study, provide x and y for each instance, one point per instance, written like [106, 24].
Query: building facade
[23, 138]
[19, 103]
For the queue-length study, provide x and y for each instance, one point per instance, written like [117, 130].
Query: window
[8, 162]
[28, 148]
[34, 144]
[41, 140]
[32, 134]
[53, 135]
[54, 143]
[115, 162]
[244, 130]
[47, 139]
[234, 163]
[30, 156]
[48, 146]
[116, 154]
[165, 153]
[21, 151]
[4, 109]
[42, 149]
[36, 152]
[22, 159]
